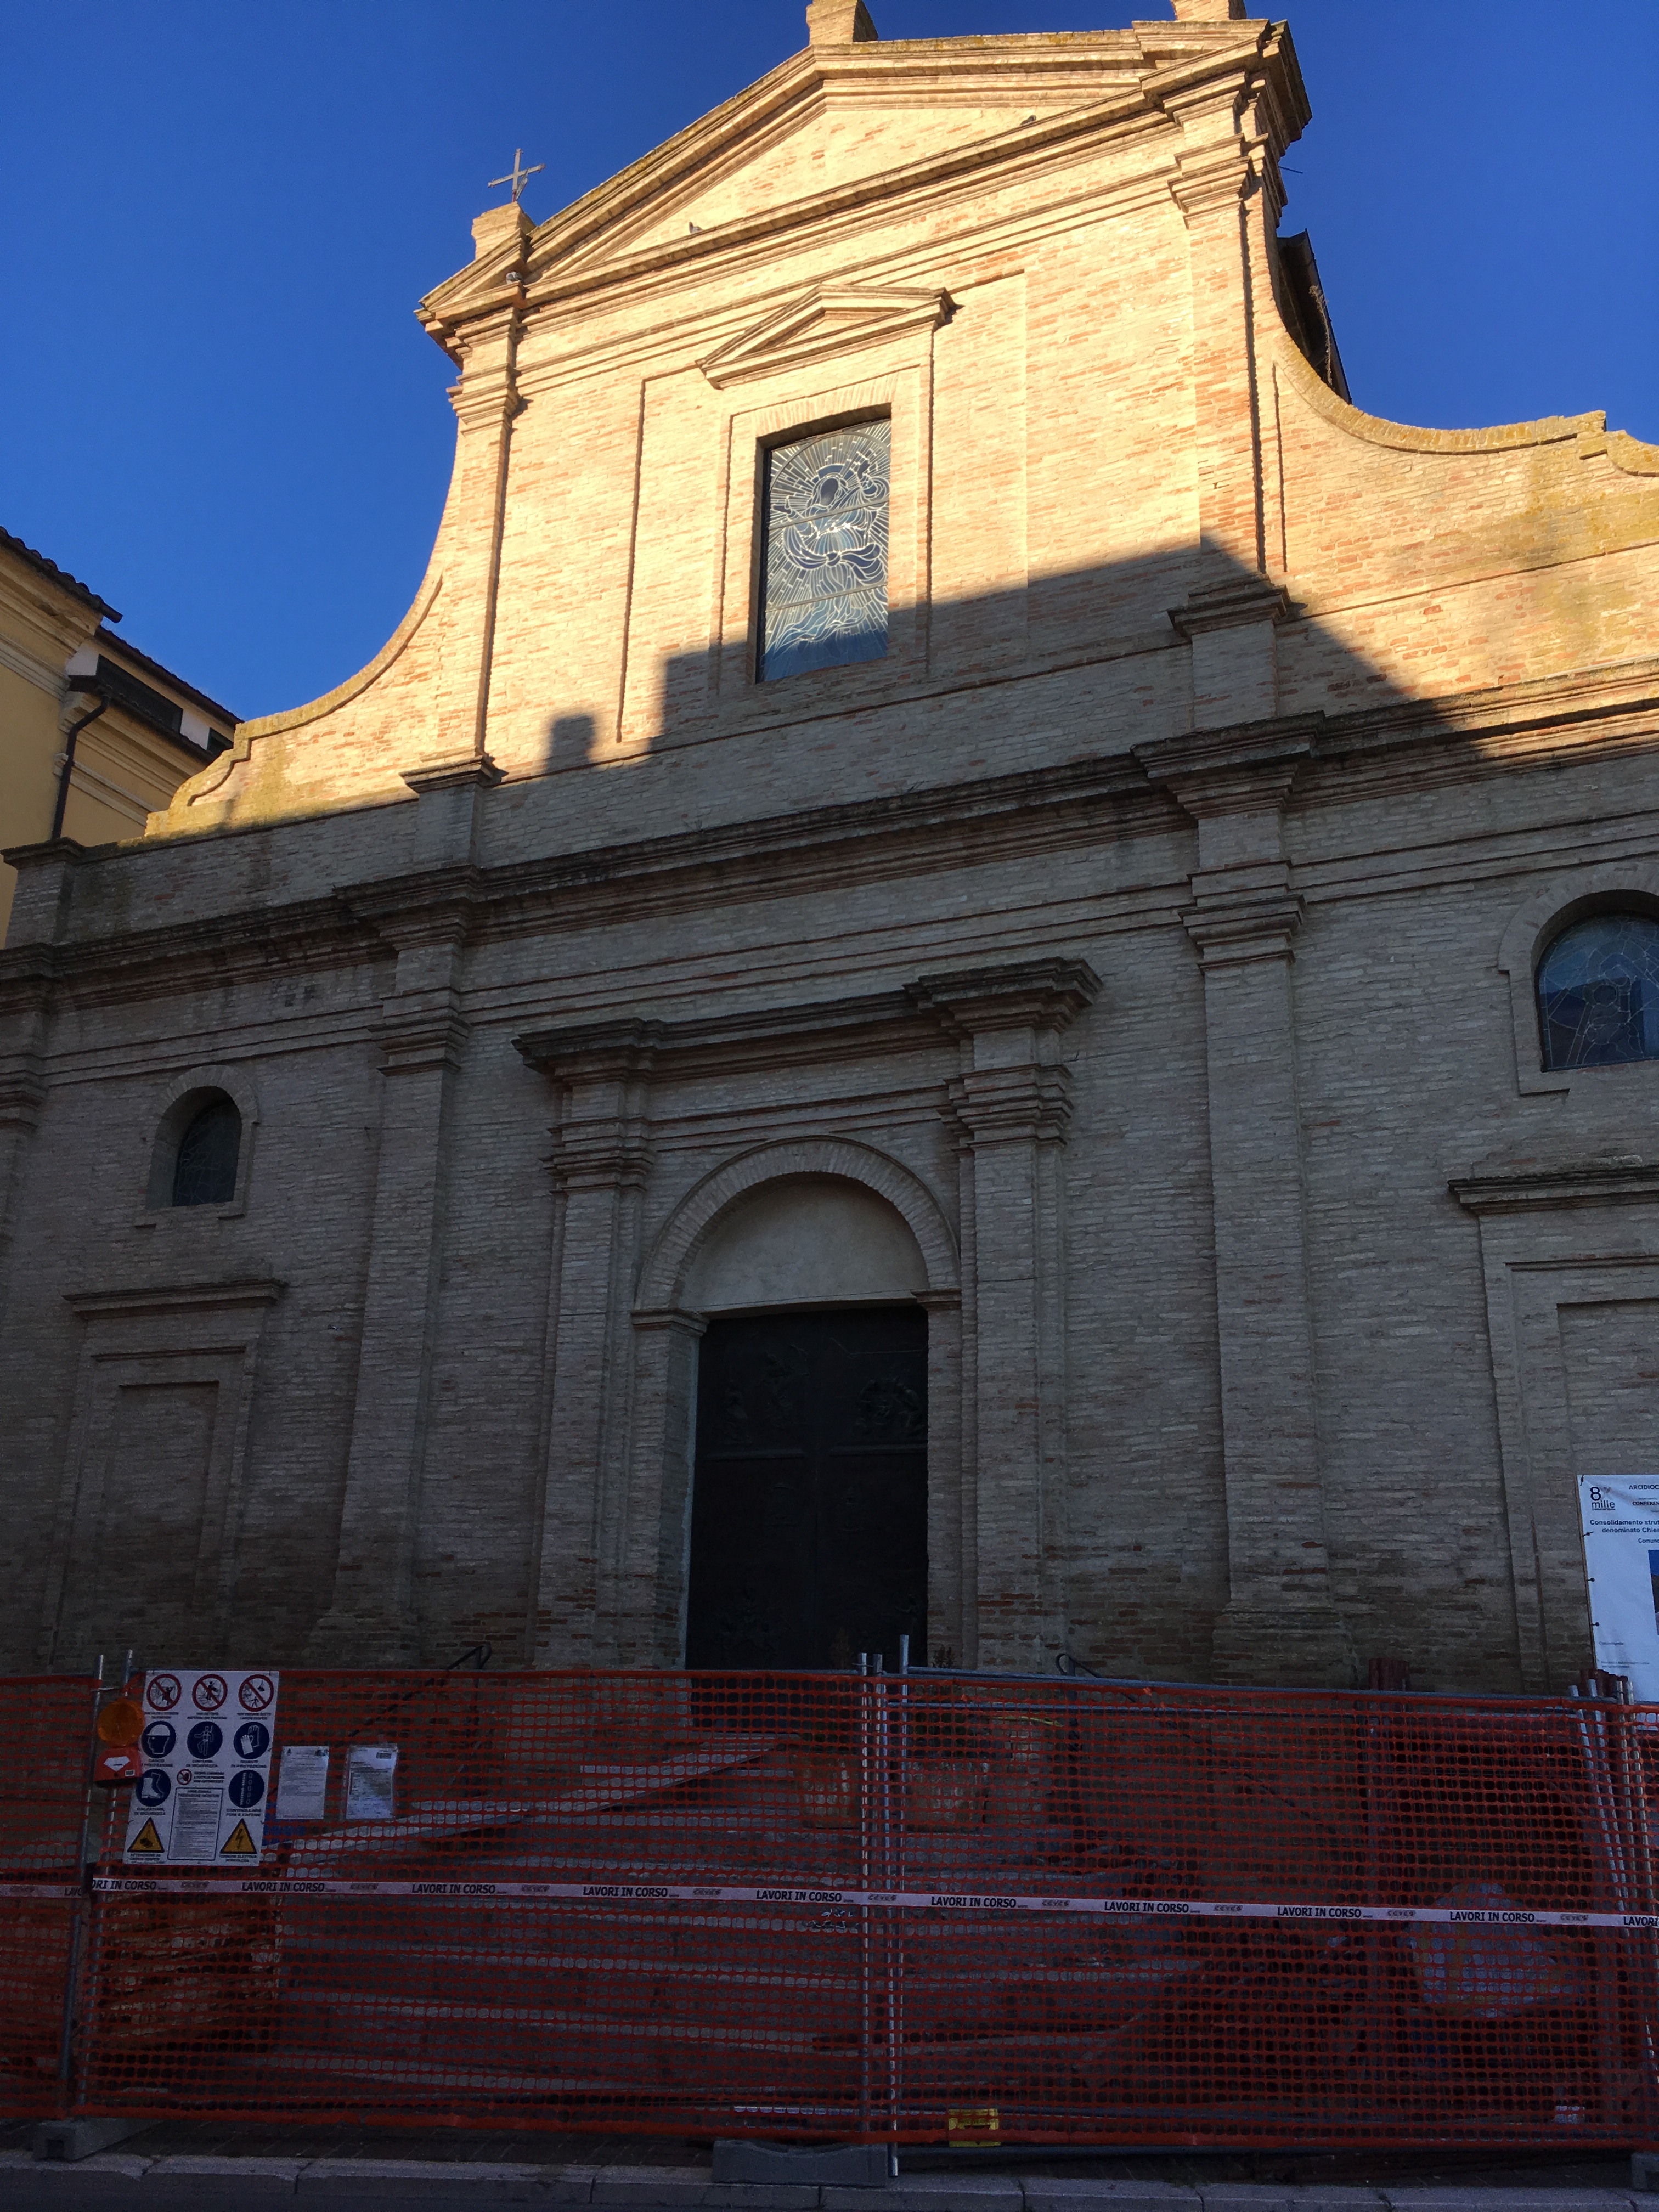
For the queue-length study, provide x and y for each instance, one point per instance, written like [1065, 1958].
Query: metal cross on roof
[518, 176]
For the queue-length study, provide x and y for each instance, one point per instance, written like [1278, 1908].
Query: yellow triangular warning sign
[239, 1845]
[146, 1839]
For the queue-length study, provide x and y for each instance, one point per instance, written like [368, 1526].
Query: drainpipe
[82, 683]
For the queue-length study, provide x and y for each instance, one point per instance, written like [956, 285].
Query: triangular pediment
[831, 319]
[824, 123]
[828, 134]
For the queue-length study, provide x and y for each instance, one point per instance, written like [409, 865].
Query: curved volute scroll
[207, 800]
[1409, 438]
[421, 701]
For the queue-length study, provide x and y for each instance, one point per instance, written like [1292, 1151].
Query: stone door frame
[650, 1599]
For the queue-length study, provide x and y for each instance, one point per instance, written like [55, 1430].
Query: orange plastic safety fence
[918, 1908]
[45, 1722]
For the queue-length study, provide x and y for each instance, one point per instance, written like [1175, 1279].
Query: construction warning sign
[1620, 1518]
[207, 1744]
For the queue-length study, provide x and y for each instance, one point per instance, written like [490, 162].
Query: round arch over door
[722, 1259]
[809, 1498]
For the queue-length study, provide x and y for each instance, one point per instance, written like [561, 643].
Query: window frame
[764, 449]
[222, 1108]
[1625, 911]
[170, 1114]
[1553, 907]
[901, 394]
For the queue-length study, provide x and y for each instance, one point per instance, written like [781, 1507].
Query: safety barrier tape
[610, 1893]
[42, 1893]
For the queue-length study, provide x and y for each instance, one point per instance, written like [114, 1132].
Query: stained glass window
[824, 592]
[204, 1173]
[1598, 993]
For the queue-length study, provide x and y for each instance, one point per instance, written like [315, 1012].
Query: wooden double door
[808, 1510]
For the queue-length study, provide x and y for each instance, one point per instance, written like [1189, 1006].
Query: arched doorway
[809, 1519]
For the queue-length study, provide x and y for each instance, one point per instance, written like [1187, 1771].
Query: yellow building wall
[123, 770]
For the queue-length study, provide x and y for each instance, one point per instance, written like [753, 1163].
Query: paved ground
[179, 2164]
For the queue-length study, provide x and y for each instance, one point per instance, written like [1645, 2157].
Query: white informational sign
[371, 1769]
[1620, 1518]
[202, 1798]
[302, 1781]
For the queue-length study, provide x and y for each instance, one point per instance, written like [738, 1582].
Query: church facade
[981, 966]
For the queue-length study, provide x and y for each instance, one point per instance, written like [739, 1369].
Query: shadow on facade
[1133, 761]
[1264, 849]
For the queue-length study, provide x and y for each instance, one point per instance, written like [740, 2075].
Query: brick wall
[1134, 929]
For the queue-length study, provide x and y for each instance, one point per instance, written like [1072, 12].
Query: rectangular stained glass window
[823, 597]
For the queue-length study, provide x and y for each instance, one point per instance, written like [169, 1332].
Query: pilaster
[451, 793]
[1231, 625]
[649, 1608]
[952, 1542]
[373, 1618]
[1281, 1623]
[25, 1011]
[1226, 183]
[1215, 176]
[1010, 1105]
[485, 400]
[601, 1155]
[45, 886]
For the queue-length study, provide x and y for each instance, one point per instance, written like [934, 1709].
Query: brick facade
[1153, 930]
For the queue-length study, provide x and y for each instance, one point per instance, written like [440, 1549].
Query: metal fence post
[77, 1910]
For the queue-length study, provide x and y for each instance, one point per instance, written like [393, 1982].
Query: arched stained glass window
[204, 1172]
[1598, 991]
[824, 581]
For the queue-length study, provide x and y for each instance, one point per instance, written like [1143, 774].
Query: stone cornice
[23, 663]
[829, 321]
[227, 949]
[28, 974]
[174, 1297]
[416, 1039]
[604, 1151]
[1026, 1105]
[933, 1011]
[23, 1094]
[1234, 924]
[487, 394]
[1031, 149]
[564, 256]
[617, 1051]
[774, 1037]
[48, 848]
[670, 1318]
[1404, 744]
[1028, 995]
[442, 910]
[865, 841]
[1229, 604]
[469, 771]
[1520, 715]
[1248, 766]
[1210, 182]
[1532, 1187]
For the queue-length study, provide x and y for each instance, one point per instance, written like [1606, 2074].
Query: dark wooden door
[809, 1512]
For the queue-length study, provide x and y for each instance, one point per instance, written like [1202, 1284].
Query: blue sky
[216, 223]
